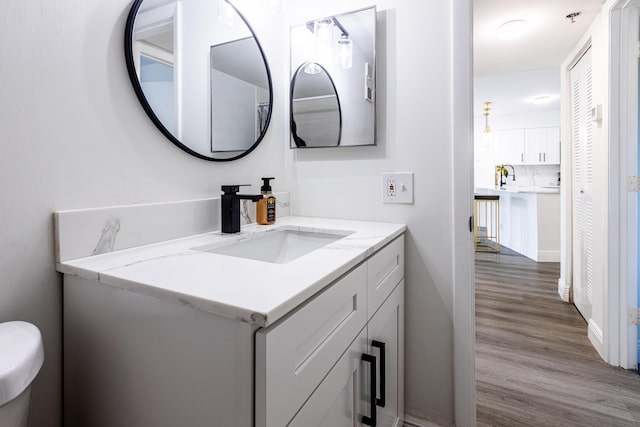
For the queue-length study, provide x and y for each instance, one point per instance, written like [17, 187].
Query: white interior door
[582, 179]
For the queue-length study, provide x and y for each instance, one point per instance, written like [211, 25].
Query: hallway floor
[534, 363]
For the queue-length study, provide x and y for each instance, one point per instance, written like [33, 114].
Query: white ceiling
[548, 41]
[510, 73]
[513, 93]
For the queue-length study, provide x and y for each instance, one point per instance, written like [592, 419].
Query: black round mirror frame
[131, 68]
[296, 139]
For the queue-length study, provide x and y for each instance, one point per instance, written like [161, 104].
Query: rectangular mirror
[332, 96]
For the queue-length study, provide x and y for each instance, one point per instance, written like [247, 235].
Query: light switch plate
[397, 187]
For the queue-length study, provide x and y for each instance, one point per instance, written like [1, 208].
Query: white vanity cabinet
[150, 340]
[316, 366]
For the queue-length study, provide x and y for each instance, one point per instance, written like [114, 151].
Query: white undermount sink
[278, 246]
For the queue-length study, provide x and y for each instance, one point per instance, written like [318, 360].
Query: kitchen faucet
[513, 170]
[230, 207]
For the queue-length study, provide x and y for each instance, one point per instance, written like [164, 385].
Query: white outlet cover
[403, 187]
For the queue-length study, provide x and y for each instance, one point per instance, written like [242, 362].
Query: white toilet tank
[21, 357]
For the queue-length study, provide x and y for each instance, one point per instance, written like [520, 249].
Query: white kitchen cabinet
[508, 146]
[535, 146]
[551, 145]
[542, 146]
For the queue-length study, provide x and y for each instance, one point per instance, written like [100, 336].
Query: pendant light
[485, 113]
[486, 134]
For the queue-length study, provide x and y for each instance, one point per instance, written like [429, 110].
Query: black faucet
[230, 207]
[502, 175]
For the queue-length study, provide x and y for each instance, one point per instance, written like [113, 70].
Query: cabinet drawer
[384, 270]
[293, 356]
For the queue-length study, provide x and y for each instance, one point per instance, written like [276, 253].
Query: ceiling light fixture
[512, 29]
[541, 99]
[573, 16]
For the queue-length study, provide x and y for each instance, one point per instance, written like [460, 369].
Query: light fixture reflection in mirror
[350, 63]
[344, 52]
[274, 7]
[312, 68]
[226, 13]
[204, 84]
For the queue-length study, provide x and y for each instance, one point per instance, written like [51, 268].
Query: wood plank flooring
[534, 363]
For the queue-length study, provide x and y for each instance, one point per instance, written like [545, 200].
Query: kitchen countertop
[252, 291]
[524, 189]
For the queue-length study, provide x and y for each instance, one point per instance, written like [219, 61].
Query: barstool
[486, 217]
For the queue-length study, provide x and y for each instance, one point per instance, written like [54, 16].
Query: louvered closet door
[582, 158]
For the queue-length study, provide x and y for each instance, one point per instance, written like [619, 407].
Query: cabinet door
[338, 400]
[533, 146]
[551, 145]
[386, 343]
[508, 147]
[542, 146]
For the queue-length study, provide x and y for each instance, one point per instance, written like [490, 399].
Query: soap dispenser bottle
[266, 208]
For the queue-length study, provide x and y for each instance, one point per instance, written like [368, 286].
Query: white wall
[81, 139]
[73, 136]
[415, 133]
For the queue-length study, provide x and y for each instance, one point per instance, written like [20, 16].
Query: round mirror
[316, 117]
[200, 74]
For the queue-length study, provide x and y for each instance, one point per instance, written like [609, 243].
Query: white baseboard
[410, 421]
[548, 256]
[564, 290]
[595, 337]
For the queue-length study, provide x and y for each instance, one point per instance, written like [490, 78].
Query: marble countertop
[524, 189]
[252, 291]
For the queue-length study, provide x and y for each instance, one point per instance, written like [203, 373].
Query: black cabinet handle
[383, 367]
[371, 421]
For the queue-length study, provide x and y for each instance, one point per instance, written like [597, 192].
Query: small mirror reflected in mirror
[316, 117]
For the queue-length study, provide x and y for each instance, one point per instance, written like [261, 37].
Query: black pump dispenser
[266, 186]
